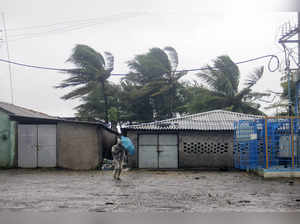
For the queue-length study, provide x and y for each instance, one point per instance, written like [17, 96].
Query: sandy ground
[142, 191]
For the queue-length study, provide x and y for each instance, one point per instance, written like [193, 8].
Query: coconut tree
[222, 81]
[91, 74]
[154, 79]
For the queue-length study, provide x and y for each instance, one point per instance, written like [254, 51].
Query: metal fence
[272, 142]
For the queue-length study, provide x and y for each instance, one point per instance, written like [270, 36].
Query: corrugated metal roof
[207, 121]
[23, 112]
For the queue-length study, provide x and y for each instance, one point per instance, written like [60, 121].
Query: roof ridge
[202, 114]
[26, 109]
[190, 115]
[250, 115]
[209, 112]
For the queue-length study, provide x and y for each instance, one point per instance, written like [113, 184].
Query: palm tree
[222, 81]
[172, 78]
[91, 74]
[154, 75]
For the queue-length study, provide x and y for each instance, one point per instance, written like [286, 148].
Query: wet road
[142, 191]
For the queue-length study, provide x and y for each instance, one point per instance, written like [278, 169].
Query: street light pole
[8, 58]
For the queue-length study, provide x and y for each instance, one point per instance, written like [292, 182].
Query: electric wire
[133, 13]
[271, 56]
[50, 25]
[33, 66]
[68, 26]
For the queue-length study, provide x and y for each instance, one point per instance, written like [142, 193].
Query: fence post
[292, 132]
[266, 143]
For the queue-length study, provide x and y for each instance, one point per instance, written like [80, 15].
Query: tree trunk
[105, 102]
[114, 126]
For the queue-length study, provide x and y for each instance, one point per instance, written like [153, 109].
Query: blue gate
[266, 143]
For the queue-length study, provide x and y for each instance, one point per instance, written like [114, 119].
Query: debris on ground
[107, 165]
[109, 203]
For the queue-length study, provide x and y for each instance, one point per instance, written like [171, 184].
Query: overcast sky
[44, 33]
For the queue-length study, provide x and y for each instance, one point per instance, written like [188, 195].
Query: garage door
[158, 151]
[36, 146]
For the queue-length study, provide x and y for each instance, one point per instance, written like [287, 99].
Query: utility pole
[288, 37]
[298, 43]
[298, 71]
[8, 58]
[298, 39]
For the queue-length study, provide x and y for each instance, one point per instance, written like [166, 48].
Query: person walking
[118, 154]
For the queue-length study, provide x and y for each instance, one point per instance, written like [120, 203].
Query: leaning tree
[90, 75]
[222, 81]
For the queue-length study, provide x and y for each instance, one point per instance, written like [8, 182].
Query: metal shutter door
[168, 151]
[27, 143]
[148, 156]
[46, 146]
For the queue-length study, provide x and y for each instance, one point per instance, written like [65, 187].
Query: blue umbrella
[127, 144]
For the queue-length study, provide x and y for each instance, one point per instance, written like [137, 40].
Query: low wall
[205, 150]
[279, 173]
[77, 146]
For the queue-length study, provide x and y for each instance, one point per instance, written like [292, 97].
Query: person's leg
[119, 169]
[121, 162]
[119, 173]
[115, 172]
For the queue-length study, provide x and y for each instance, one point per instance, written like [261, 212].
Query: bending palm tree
[222, 81]
[91, 74]
[154, 76]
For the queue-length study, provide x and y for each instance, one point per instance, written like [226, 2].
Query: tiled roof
[23, 112]
[207, 121]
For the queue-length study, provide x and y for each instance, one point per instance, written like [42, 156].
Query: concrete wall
[78, 146]
[197, 150]
[7, 141]
[205, 150]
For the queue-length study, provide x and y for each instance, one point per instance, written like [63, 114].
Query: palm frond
[85, 57]
[243, 94]
[223, 77]
[251, 109]
[173, 57]
[229, 73]
[78, 77]
[210, 77]
[161, 59]
[258, 95]
[254, 77]
[109, 59]
[79, 92]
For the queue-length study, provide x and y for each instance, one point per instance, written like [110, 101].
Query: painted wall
[77, 146]
[7, 141]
